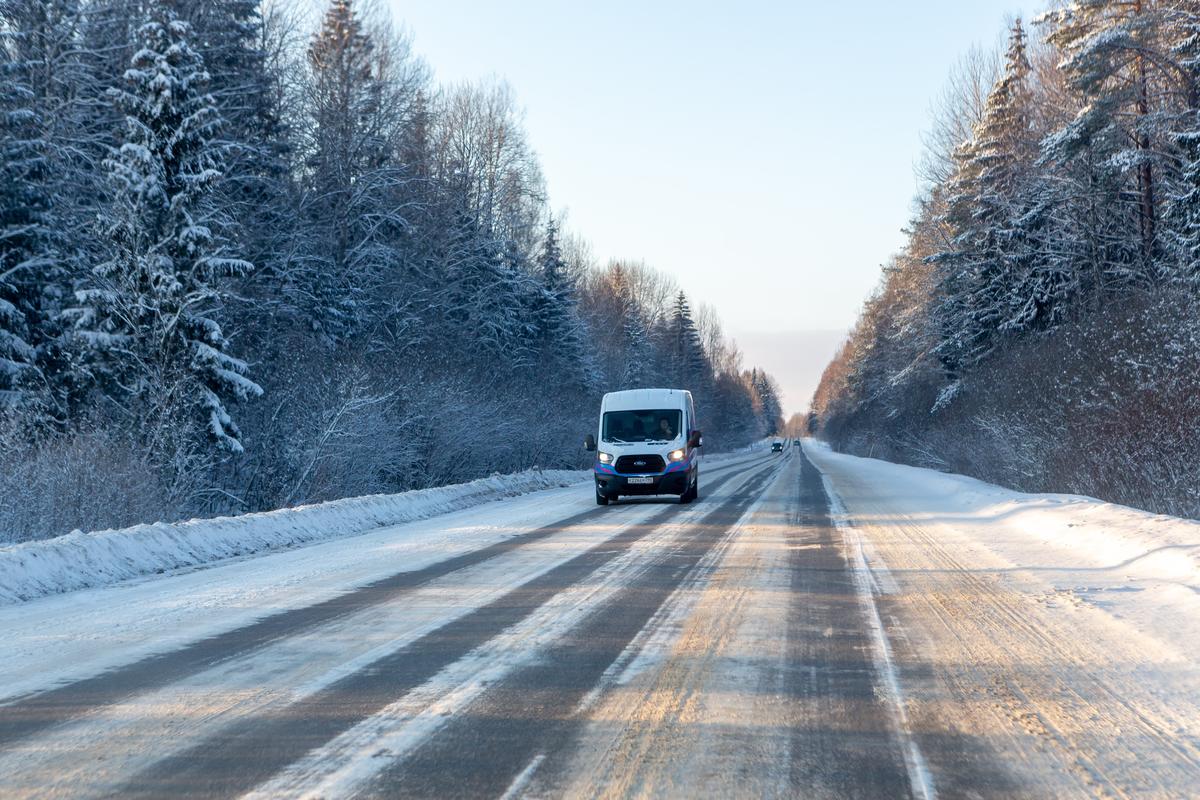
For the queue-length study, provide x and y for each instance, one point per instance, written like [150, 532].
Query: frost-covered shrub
[1107, 406]
[94, 479]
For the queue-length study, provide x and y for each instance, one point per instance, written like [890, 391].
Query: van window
[651, 425]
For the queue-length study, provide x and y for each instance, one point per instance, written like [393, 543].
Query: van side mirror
[589, 443]
[696, 439]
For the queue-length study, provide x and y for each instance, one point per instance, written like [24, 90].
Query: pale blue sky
[762, 152]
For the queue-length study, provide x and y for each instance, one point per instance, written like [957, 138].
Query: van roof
[637, 399]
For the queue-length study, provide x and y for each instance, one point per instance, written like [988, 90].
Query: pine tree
[998, 278]
[148, 319]
[22, 230]
[1185, 205]
[558, 327]
[41, 185]
[636, 344]
[1111, 54]
[353, 184]
[688, 365]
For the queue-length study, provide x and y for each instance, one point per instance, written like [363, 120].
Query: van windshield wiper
[615, 440]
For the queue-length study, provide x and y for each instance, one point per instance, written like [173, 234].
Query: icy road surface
[832, 627]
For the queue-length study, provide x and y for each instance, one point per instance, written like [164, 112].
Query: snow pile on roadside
[1132, 565]
[79, 560]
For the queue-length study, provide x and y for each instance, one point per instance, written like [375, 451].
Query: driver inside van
[664, 428]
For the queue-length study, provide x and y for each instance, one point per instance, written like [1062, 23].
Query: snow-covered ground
[111, 597]
[91, 559]
[75, 634]
[99, 558]
[946, 638]
[1141, 570]
[1060, 631]
[56, 639]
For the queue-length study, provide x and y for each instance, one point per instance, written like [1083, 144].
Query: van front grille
[640, 465]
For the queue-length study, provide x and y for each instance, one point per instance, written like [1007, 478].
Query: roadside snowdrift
[1134, 566]
[79, 560]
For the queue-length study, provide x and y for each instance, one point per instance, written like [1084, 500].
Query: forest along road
[744, 645]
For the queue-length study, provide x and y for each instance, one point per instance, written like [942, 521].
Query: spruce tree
[997, 278]
[41, 185]
[636, 344]
[255, 184]
[482, 296]
[558, 328]
[354, 186]
[148, 319]
[766, 402]
[22, 231]
[1185, 205]
[1112, 57]
[688, 365]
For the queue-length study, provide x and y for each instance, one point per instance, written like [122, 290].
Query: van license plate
[640, 480]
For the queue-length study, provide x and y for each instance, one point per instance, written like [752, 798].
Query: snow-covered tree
[686, 361]
[481, 152]
[1184, 213]
[232, 37]
[23, 208]
[636, 346]
[482, 298]
[1112, 55]
[363, 90]
[767, 402]
[555, 314]
[999, 276]
[148, 317]
[45, 189]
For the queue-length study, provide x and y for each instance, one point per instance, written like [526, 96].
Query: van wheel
[691, 493]
[601, 498]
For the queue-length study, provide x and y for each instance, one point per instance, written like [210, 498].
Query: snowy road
[751, 644]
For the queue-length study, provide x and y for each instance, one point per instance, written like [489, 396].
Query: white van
[648, 443]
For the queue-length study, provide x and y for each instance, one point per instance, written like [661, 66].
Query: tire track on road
[845, 742]
[26, 716]
[532, 712]
[994, 607]
[1054, 721]
[243, 755]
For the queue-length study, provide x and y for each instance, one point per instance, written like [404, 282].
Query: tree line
[249, 262]
[1041, 328]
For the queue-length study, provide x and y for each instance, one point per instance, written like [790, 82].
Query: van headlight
[676, 455]
[605, 458]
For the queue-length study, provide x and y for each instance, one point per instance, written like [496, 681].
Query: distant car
[796, 442]
[777, 447]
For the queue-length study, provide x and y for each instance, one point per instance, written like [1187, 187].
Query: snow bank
[79, 560]
[1133, 565]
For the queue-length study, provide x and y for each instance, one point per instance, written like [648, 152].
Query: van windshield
[656, 425]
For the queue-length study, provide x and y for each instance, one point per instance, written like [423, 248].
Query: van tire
[691, 492]
[601, 498]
